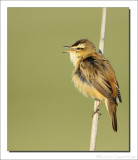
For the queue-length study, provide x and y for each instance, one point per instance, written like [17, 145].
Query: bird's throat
[74, 58]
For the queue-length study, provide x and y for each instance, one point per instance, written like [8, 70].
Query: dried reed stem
[96, 103]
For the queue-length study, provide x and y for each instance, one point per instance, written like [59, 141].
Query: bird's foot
[99, 114]
[97, 111]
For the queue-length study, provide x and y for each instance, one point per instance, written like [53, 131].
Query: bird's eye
[78, 48]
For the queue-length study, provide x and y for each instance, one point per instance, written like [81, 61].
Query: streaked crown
[83, 44]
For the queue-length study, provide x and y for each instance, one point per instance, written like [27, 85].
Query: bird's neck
[74, 58]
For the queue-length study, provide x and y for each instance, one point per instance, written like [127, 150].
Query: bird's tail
[111, 107]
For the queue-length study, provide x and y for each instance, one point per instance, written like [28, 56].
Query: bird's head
[79, 49]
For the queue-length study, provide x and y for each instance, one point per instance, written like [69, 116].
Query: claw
[99, 114]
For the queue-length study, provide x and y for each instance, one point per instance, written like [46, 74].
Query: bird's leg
[97, 109]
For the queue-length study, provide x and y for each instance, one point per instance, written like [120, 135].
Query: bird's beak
[69, 48]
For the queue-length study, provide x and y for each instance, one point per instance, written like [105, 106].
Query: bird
[94, 76]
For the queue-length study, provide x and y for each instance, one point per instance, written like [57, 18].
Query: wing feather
[97, 73]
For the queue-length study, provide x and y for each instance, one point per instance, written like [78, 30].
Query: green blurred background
[45, 111]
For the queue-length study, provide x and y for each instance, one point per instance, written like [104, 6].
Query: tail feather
[119, 95]
[111, 106]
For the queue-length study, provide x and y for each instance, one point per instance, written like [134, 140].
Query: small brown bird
[94, 76]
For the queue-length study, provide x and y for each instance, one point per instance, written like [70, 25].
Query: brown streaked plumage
[94, 76]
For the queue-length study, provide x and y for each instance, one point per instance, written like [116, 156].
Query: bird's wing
[97, 73]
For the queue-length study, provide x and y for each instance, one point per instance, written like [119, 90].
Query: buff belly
[86, 89]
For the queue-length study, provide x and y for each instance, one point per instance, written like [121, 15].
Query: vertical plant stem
[96, 102]
[101, 43]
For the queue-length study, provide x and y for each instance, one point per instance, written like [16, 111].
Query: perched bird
[94, 76]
